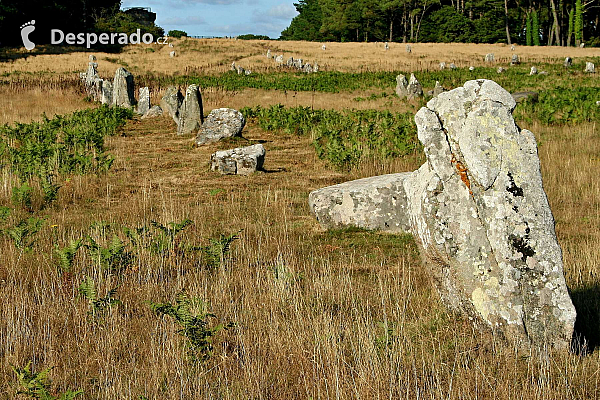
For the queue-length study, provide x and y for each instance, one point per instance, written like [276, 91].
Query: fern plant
[216, 253]
[66, 255]
[98, 305]
[23, 234]
[165, 240]
[113, 258]
[190, 313]
[37, 385]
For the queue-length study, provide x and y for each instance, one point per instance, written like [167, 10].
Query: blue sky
[221, 17]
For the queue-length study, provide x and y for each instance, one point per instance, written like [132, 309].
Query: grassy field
[284, 309]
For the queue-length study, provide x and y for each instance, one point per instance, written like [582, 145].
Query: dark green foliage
[307, 24]
[191, 314]
[251, 36]
[165, 241]
[343, 138]
[535, 28]
[177, 33]
[578, 23]
[528, 33]
[447, 25]
[37, 385]
[39, 153]
[121, 22]
[66, 255]
[216, 253]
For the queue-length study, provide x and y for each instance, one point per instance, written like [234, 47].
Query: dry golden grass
[347, 315]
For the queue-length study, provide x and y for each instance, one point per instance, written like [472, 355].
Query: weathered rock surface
[479, 213]
[239, 161]
[191, 114]
[414, 88]
[155, 111]
[490, 57]
[171, 102]
[408, 49]
[143, 101]
[401, 86]
[442, 66]
[220, 124]
[123, 89]
[371, 203]
[568, 62]
[590, 67]
[533, 71]
[107, 93]
[515, 60]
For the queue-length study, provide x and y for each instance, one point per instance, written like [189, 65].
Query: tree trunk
[556, 27]
[506, 21]
[391, 27]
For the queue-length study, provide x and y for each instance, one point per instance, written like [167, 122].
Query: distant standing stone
[442, 66]
[123, 89]
[533, 71]
[500, 70]
[401, 86]
[92, 58]
[408, 49]
[171, 45]
[490, 57]
[582, 45]
[324, 47]
[191, 112]
[269, 53]
[144, 101]
[512, 48]
[279, 59]
[107, 93]
[568, 62]
[172, 54]
[452, 66]
[515, 60]
[590, 67]
[414, 87]
[387, 46]
[471, 68]
[239, 161]
[220, 124]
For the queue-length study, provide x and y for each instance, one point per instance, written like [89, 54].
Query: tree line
[526, 22]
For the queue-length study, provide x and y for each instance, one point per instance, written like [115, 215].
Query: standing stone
[315, 67]
[512, 48]
[155, 111]
[490, 58]
[172, 54]
[279, 59]
[107, 93]
[568, 62]
[590, 67]
[171, 45]
[290, 62]
[452, 66]
[481, 217]
[92, 58]
[324, 47]
[500, 70]
[515, 60]
[191, 112]
[240, 70]
[221, 123]
[307, 68]
[401, 86]
[437, 90]
[171, 102]
[239, 161]
[144, 101]
[408, 49]
[533, 71]
[269, 53]
[442, 66]
[414, 88]
[582, 45]
[387, 46]
[471, 68]
[233, 67]
[298, 64]
[123, 89]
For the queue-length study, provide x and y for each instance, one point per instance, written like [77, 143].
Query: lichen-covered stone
[171, 102]
[371, 203]
[414, 88]
[143, 101]
[155, 111]
[123, 89]
[220, 124]
[590, 67]
[480, 214]
[401, 86]
[239, 161]
[533, 71]
[191, 112]
[107, 93]
[490, 58]
[515, 60]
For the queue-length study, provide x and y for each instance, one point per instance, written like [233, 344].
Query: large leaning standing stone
[221, 123]
[377, 203]
[482, 219]
[239, 161]
[122, 95]
[191, 113]
[171, 102]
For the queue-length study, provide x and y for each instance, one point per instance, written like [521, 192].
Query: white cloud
[283, 11]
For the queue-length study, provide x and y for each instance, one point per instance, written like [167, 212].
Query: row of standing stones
[479, 213]
[294, 63]
[187, 112]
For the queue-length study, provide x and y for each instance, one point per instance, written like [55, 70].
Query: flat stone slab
[376, 203]
[239, 161]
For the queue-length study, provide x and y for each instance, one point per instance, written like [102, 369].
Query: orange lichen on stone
[462, 171]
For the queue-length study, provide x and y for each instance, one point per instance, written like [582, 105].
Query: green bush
[177, 33]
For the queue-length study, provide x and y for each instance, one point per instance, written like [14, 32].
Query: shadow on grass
[587, 324]
[8, 54]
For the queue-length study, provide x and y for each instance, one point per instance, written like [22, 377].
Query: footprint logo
[26, 29]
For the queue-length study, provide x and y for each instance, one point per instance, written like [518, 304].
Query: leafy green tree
[176, 33]
[307, 24]
[529, 36]
[535, 28]
[578, 25]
